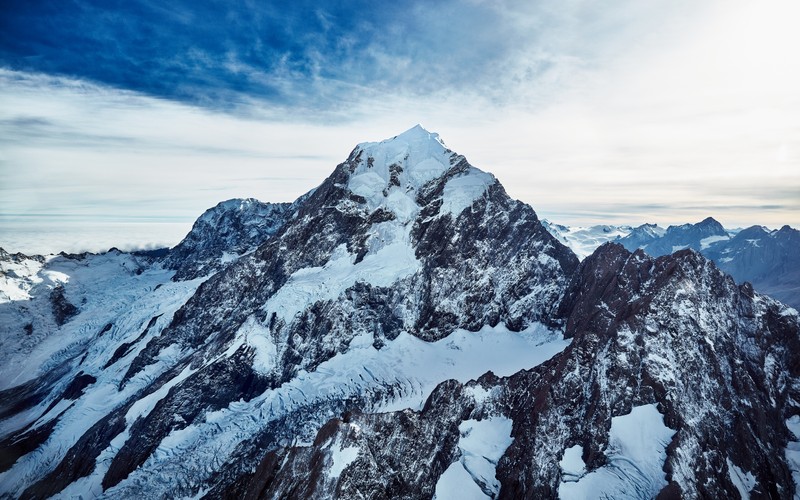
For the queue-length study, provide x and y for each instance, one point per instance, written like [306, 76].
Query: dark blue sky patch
[290, 53]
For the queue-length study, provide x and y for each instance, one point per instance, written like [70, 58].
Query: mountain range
[768, 259]
[404, 330]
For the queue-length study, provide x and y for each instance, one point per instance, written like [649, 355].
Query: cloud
[320, 59]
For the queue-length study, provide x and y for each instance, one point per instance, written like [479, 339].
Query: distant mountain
[584, 240]
[641, 236]
[698, 237]
[769, 259]
[405, 330]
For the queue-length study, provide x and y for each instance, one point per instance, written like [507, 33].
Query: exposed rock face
[718, 361]
[223, 233]
[62, 308]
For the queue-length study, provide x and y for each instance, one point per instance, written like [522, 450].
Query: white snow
[707, 242]
[106, 288]
[793, 452]
[455, 483]
[676, 248]
[341, 457]
[462, 191]
[481, 444]
[389, 242]
[744, 481]
[636, 453]
[259, 338]
[572, 465]
[228, 257]
[421, 155]
[478, 393]
[417, 157]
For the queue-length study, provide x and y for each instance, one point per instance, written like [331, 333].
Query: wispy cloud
[320, 58]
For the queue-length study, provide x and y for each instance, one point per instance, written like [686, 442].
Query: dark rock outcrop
[223, 233]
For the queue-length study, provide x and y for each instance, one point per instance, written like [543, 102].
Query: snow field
[472, 476]
[411, 366]
[636, 455]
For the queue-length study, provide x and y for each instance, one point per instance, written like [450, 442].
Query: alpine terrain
[768, 259]
[404, 330]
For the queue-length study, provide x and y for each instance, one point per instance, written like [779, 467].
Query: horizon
[123, 126]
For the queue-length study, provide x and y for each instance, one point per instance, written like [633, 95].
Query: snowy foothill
[636, 454]
[17, 277]
[104, 289]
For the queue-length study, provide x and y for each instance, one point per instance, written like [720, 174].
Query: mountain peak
[417, 131]
[415, 140]
[392, 173]
[709, 221]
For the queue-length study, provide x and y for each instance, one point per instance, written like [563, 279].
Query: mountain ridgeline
[404, 330]
[768, 259]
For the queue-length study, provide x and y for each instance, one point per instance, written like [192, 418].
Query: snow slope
[636, 453]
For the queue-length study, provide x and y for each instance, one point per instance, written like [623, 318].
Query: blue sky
[139, 115]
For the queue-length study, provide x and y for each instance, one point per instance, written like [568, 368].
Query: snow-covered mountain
[768, 259]
[698, 237]
[641, 236]
[404, 330]
[585, 240]
[223, 233]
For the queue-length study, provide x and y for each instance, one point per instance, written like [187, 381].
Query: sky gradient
[120, 122]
